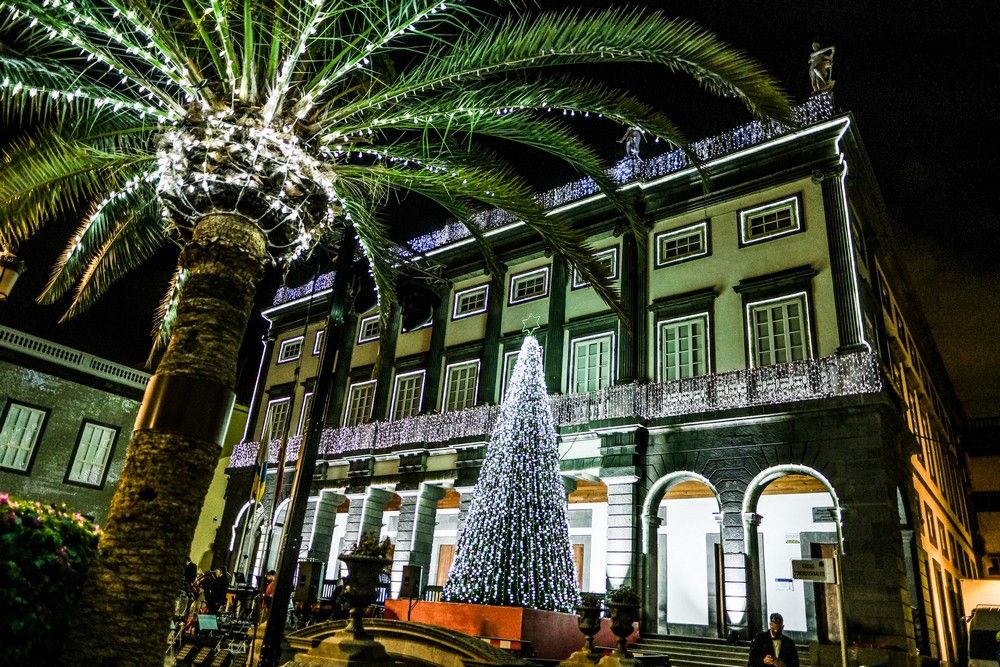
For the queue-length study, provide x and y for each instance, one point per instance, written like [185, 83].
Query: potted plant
[623, 609]
[589, 621]
[364, 562]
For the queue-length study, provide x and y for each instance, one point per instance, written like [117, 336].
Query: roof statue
[821, 68]
[632, 139]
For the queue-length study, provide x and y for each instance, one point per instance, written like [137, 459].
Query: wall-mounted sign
[814, 569]
[824, 515]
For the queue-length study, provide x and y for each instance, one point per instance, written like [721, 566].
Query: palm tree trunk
[124, 617]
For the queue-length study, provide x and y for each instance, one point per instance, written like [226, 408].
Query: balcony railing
[70, 358]
[842, 375]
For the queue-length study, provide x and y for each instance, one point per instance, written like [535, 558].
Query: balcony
[842, 375]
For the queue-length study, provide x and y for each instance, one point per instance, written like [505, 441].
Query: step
[703, 652]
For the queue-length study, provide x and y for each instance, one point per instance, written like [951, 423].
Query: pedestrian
[771, 648]
[215, 585]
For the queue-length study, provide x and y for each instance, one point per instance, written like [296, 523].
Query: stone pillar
[746, 569]
[435, 352]
[414, 538]
[491, 345]
[464, 502]
[317, 529]
[365, 514]
[555, 329]
[387, 360]
[845, 278]
[632, 346]
[341, 370]
[655, 597]
[623, 553]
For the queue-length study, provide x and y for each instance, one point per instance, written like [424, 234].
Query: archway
[684, 557]
[792, 513]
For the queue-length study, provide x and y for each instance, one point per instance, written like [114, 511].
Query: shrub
[45, 551]
[369, 546]
[624, 595]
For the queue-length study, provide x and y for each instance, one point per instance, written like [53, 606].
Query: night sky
[922, 80]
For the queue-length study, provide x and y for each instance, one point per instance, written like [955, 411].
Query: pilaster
[491, 344]
[435, 352]
[555, 330]
[415, 535]
[387, 360]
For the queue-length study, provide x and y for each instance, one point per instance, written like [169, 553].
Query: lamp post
[305, 467]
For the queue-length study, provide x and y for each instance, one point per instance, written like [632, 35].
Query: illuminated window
[678, 245]
[90, 460]
[778, 330]
[770, 220]
[684, 347]
[406, 395]
[290, 349]
[307, 402]
[509, 361]
[530, 285]
[360, 400]
[368, 329]
[470, 302]
[609, 258]
[593, 363]
[21, 427]
[461, 381]
[276, 419]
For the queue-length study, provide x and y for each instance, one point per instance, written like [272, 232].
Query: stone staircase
[697, 652]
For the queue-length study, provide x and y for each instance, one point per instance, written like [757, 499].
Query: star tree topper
[530, 324]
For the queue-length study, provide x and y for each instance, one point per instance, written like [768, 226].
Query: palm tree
[241, 132]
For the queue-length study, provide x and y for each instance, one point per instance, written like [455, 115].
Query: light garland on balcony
[515, 548]
[840, 375]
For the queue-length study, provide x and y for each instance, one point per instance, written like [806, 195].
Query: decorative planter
[590, 623]
[361, 589]
[622, 617]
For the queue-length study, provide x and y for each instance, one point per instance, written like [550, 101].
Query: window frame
[505, 375]
[365, 321]
[395, 393]
[318, 342]
[348, 404]
[661, 325]
[485, 288]
[36, 440]
[793, 202]
[448, 370]
[267, 418]
[515, 277]
[612, 366]
[304, 408]
[578, 282]
[706, 243]
[800, 296]
[116, 431]
[282, 357]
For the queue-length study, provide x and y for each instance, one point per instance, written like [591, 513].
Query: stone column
[491, 345]
[655, 592]
[365, 514]
[387, 360]
[464, 502]
[743, 584]
[317, 529]
[621, 472]
[555, 329]
[414, 538]
[845, 278]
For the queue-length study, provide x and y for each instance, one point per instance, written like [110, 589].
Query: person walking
[215, 585]
[772, 649]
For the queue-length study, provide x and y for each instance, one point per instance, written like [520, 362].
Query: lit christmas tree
[515, 548]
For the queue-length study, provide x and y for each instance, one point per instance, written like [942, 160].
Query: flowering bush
[45, 551]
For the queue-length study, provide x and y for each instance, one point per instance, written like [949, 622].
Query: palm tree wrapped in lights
[241, 132]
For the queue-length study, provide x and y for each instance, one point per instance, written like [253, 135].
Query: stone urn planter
[353, 645]
[588, 614]
[623, 610]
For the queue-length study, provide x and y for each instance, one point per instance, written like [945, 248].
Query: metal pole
[838, 571]
[306, 465]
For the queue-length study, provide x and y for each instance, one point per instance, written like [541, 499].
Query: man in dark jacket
[772, 649]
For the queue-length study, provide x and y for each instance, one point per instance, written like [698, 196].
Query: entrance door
[827, 604]
[446, 554]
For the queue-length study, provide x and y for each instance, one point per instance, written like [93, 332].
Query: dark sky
[922, 80]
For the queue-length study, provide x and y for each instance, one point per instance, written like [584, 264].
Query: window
[770, 220]
[360, 400]
[678, 245]
[307, 402]
[593, 363]
[318, 342]
[684, 347]
[509, 361]
[461, 381]
[290, 349]
[779, 330]
[90, 459]
[609, 258]
[368, 329]
[470, 302]
[407, 394]
[530, 285]
[21, 427]
[276, 420]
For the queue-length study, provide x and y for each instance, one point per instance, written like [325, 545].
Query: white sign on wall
[814, 569]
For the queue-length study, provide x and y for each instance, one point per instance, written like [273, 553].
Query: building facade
[981, 442]
[772, 396]
[65, 424]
